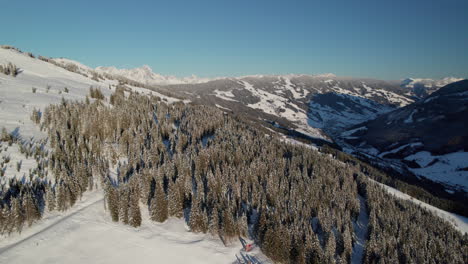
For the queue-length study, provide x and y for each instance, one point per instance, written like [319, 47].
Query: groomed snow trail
[51, 225]
[86, 234]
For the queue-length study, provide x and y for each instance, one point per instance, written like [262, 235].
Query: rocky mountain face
[430, 136]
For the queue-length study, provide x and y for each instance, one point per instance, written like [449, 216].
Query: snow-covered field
[446, 168]
[86, 234]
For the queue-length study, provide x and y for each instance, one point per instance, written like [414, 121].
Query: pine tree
[3, 219]
[61, 197]
[31, 212]
[330, 247]
[113, 202]
[176, 200]
[243, 226]
[124, 206]
[214, 222]
[229, 223]
[135, 214]
[197, 220]
[159, 205]
[50, 197]
[17, 215]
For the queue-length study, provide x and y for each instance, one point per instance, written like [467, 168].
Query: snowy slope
[429, 83]
[86, 234]
[420, 87]
[16, 93]
[333, 112]
[39, 84]
[428, 136]
[17, 99]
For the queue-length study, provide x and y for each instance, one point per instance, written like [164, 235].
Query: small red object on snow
[248, 247]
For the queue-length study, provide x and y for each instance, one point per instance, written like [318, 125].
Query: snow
[225, 95]
[17, 99]
[459, 222]
[430, 99]
[15, 156]
[447, 168]
[146, 75]
[83, 68]
[280, 106]
[352, 131]
[289, 86]
[292, 141]
[223, 108]
[351, 110]
[86, 234]
[360, 232]
[416, 144]
[410, 82]
[409, 119]
[165, 98]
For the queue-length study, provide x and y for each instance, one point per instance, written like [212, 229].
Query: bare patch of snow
[446, 168]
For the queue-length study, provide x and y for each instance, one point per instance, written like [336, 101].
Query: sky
[370, 38]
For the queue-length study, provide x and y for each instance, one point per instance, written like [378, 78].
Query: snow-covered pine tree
[159, 210]
[175, 199]
[50, 198]
[17, 215]
[135, 214]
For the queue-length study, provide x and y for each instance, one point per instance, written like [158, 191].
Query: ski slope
[86, 234]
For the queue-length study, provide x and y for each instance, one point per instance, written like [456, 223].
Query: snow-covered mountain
[429, 83]
[146, 75]
[422, 87]
[429, 136]
[305, 103]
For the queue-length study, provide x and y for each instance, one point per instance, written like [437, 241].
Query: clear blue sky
[370, 38]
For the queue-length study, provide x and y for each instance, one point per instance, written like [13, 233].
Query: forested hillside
[224, 177]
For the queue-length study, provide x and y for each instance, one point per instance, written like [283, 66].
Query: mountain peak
[146, 68]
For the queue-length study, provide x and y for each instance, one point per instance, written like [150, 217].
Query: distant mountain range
[409, 121]
[430, 136]
[146, 75]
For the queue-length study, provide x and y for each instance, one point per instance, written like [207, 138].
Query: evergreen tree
[17, 215]
[113, 202]
[159, 212]
[124, 206]
[176, 200]
[214, 222]
[31, 212]
[135, 214]
[50, 198]
[198, 222]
